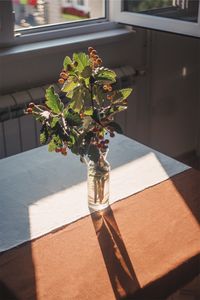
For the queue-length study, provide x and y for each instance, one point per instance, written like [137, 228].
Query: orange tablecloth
[143, 247]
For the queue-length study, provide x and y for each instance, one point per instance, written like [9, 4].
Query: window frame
[11, 37]
[154, 22]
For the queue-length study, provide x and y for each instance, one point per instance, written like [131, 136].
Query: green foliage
[43, 138]
[82, 60]
[52, 146]
[121, 95]
[73, 118]
[105, 76]
[69, 86]
[77, 100]
[87, 72]
[53, 101]
[67, 62]
[81, 124]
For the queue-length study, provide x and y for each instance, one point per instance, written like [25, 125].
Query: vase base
[97, 206]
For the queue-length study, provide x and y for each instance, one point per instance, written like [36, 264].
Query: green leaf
[72, 141]
[73, 119]
[43, 138]
[126, 92]
[54, 122]
[93, 153]
[99, 95]
[87, 121]
[82, 59]
[52, 146]
[96, 116]
[116, 127]
[87, 72]
[69, 86]
[86, 96]
[105, 76]
[67, 61]
[53, 101]
[88, 111]
[121, 95]
[77, 101]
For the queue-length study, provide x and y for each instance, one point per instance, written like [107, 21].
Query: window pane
[31, 13]
[186, 10]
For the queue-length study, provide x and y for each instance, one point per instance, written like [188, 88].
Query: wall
[174, 78]
[163, 110]
[164, 114]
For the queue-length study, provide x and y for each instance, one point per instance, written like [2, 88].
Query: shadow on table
[118, 264]
[17, 274]
[188, 186]
[6, 293]
[170, 283]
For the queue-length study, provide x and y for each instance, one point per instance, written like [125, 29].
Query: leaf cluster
[85, 122]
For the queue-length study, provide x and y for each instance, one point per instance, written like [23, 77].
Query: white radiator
[19, 132]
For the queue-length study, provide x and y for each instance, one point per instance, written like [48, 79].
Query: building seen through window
[32, 13]
[186, 10]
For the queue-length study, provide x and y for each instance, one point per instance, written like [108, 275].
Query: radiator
[19, 132]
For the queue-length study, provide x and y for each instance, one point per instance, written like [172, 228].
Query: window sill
[107, 32]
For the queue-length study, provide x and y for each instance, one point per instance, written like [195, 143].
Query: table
[142, 247]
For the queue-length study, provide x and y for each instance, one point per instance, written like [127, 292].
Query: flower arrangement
[83, 121]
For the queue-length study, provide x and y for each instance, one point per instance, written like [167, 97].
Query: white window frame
[10, 37]
[153, 22]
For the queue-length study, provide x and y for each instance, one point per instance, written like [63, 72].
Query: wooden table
[143, 247]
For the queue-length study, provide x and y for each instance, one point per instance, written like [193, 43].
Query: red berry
[112, 134]
[64, 151]
[29, 110]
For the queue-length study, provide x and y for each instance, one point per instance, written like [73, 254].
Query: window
[178, 16]
[20, 18]
[31, 13]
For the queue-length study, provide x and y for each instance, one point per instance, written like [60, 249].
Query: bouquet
[80, 117]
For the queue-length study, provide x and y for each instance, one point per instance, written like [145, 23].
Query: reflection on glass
[31, 13]
[186, 10]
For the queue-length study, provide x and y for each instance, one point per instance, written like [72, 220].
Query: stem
[64, 124]
[91, 94]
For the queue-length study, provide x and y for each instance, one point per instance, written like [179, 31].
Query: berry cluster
[94, 57]
[62, 150]
[85, 122]
[63, 77]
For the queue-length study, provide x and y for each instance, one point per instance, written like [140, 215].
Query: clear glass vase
[98, 183]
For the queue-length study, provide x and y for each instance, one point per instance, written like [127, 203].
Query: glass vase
[98, 183]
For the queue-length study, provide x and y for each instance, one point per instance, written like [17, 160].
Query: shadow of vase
[118, 264]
